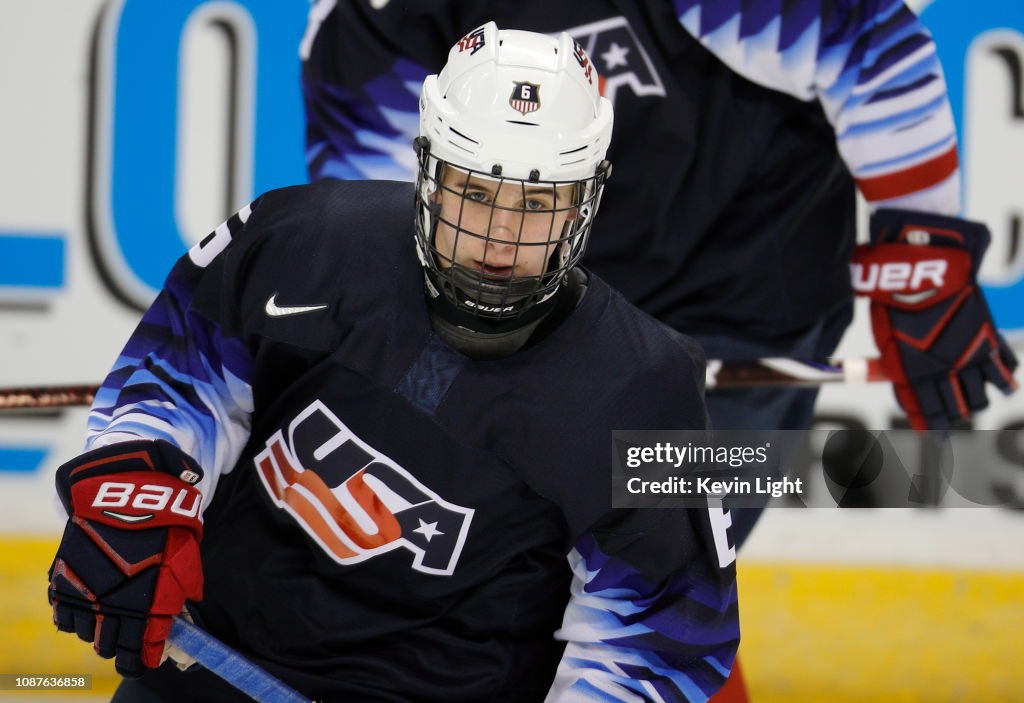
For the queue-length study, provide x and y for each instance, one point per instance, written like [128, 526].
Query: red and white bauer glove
[129, 557]
[931, 323]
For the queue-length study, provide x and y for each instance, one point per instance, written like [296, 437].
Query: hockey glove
[129, 557]
[931, 324]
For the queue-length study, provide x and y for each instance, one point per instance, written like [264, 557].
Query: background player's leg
[769, 408]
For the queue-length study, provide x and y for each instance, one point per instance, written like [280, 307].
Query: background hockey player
[741, 132]
[364, 423]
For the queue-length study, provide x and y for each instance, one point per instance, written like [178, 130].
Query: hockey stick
[222, 660]
[46, 397]
[720, 374]
[791, 372]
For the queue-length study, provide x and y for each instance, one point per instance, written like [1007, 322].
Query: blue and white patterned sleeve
[634, 636]
[365, 134]
[362, 108]
[180, 378]
[873, 66]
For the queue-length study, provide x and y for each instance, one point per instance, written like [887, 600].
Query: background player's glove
[934, 331]
[129, 557]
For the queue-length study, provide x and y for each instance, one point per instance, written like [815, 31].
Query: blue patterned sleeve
[361, 100]
[647, 634]
[873, 66]
[180, 378]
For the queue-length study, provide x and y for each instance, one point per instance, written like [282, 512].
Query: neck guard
[480, 338]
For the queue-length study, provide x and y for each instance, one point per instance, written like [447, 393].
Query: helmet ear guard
[521, 111]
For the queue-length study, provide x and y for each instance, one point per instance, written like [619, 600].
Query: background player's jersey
[731, 206]
[388, 519]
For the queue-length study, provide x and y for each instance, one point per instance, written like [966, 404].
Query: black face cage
[487, 294]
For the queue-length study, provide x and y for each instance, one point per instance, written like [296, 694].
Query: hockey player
[364, 423]
[741, 130]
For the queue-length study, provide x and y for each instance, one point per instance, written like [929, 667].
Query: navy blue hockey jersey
[389, 520]
[740, 129]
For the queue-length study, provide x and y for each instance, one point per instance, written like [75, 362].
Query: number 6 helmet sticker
[525, 97]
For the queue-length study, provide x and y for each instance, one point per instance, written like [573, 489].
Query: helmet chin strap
[481, 338]
[501, 295]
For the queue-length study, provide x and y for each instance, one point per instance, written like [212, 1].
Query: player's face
[504, 229]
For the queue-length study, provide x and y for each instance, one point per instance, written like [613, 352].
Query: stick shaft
[46, 396]
[720, 374]
[791, 372]
[222, 660]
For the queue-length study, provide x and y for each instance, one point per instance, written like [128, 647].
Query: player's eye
[477, 196]
[534, 204]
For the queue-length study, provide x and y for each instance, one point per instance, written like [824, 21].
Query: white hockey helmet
[519, 109]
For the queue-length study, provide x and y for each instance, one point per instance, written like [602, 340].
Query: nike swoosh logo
[275, 310]
[128, 518]
[911, 298]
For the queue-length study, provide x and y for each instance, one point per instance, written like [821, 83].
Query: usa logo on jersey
[525, 97]
[619, 58]
[355, 502]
